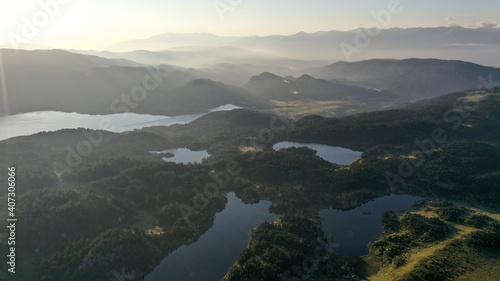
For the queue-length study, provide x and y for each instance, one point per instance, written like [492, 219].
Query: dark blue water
[215, 252]
[352, 230]
[333, 154]
[184, 155]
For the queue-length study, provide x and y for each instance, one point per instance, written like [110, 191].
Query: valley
[249, 140]
[121, 187]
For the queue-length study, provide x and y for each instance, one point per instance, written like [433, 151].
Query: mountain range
[68, 82]
[418, 78]
[64, 81]
[307, 87]
[478, 45]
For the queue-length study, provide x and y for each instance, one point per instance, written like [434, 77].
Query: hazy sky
[96, 24]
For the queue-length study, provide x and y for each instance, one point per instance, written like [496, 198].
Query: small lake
[215, 252]
[352, 230]
[333, 154]
[183, 155]
[35, 122]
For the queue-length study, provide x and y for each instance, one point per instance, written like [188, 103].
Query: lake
[35, 122]
[215, 252]
[183, 155]
[352, 230]
[333, 154]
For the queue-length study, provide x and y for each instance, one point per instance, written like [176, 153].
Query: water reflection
[215, 252]
[35, 122]
[183, 155]
[333, 154]
[352, 230]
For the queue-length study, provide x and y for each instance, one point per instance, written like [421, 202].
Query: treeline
[403, 233]
[291, 248]
[409, 232]
[404, 125]
[106, 214]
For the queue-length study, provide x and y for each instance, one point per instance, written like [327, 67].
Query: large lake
[35, 122]
[333, 154]
[215, 252]
[183, 155]
[352, 230]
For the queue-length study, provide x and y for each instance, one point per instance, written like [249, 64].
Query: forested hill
[414, 77]
[68, 82]
[120, 200]
[306, 87]
[463, 116]
[472, 115]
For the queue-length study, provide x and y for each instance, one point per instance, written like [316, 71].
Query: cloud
[449, 19]
[488, 24]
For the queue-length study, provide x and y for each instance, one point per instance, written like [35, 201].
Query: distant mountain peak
[268, 75]
[405, 61]
[306, 77]
[301, 33]
[413, 77]
[203, 82]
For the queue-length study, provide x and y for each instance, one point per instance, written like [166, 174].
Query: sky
[98, 24]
